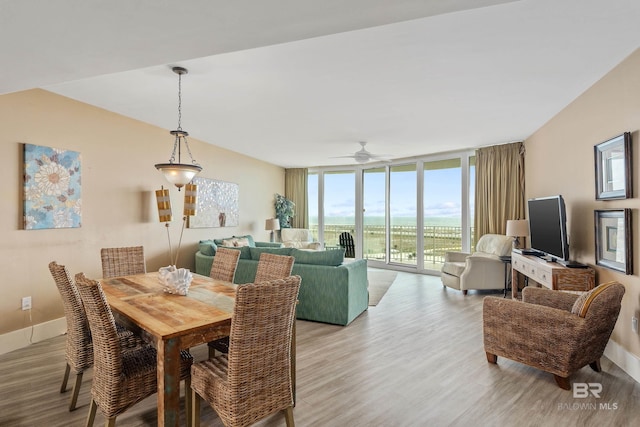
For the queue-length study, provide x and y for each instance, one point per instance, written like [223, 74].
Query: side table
[506, 259]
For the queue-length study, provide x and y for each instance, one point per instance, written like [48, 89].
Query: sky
[442, 194]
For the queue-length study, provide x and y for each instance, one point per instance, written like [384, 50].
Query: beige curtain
[295, 189]
[499, 187]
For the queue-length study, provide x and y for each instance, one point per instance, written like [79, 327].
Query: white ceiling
[295, 83]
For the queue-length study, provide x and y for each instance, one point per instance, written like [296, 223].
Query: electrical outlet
[26, 303]
[634, 324]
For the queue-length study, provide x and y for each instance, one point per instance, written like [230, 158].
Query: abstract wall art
[52, 188]
[217, 204]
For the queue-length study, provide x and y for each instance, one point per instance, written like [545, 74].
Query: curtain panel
[295, 189]
[499, 193]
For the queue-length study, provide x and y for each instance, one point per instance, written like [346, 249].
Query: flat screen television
[548, 227]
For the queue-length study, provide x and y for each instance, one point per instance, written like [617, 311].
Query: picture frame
[614, 239]
[613, 168]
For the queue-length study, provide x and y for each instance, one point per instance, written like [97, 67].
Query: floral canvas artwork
[52, 188]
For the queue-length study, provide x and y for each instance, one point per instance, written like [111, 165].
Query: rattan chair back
[79, 347]
[225, 264]
[271, 267]
[123, 261]
[120, 378]
[254, 379]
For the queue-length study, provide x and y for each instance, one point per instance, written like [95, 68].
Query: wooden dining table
[171, 323]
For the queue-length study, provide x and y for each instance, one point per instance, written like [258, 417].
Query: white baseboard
[628, 362]
[26, 336]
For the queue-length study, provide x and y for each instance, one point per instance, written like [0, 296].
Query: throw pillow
[207, 247]
[579, 304]
[241, 241]
[229, 242]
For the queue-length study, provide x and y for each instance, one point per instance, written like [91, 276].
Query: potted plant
[284, 210]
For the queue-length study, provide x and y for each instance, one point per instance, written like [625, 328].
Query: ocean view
[398, 221]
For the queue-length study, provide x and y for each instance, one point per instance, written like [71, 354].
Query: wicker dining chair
[254, 379]
[270, 267]
[79, 346]
[121, 377]
[123, 261]
[224, 265]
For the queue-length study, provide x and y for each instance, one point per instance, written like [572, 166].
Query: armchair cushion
[454, 268]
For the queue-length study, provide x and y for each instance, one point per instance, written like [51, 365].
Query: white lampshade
[517, 227]
[272, 224]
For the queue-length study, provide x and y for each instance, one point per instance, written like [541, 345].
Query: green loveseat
[330, 291]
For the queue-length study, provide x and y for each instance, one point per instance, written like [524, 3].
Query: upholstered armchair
[551, 330]
[299, 238]
[481, 269]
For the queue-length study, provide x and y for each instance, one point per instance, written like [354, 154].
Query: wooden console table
[549, 274]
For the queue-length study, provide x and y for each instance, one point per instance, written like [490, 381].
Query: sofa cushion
[256, 252]
[245, 252]
[453, 268]
[332, 257]
[207, 247]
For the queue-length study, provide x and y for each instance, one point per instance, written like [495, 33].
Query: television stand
[550, 275]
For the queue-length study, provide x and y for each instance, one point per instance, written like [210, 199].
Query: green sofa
[330, 291]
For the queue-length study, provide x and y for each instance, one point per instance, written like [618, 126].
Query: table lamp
[272, 224]
[517, 228]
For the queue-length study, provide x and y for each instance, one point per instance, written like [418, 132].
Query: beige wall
[118, 200]
[560, 160]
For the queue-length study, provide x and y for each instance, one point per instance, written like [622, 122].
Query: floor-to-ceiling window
[339, 205]
[374, 224]
[442, 207]
[404, 215]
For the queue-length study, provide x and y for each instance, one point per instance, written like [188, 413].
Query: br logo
[583, 390]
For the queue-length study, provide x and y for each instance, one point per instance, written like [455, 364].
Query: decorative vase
[175, 280]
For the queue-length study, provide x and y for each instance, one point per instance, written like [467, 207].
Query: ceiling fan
[364, 156]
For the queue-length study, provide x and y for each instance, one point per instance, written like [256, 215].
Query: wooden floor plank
[416, 359]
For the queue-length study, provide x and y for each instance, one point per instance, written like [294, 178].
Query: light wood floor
[416, 359]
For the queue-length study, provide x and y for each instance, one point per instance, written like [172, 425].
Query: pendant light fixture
[178, 173]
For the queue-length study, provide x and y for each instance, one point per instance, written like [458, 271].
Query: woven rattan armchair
[254, 379]
[550, 330]
[122, 261]
[122, 377]
[79, 347]
[224, 265]
[270, 267]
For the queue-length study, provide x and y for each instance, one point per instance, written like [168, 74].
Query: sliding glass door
[339, 205]
[442, 198]
[402, 215]
[374, 215]
[403, 245]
